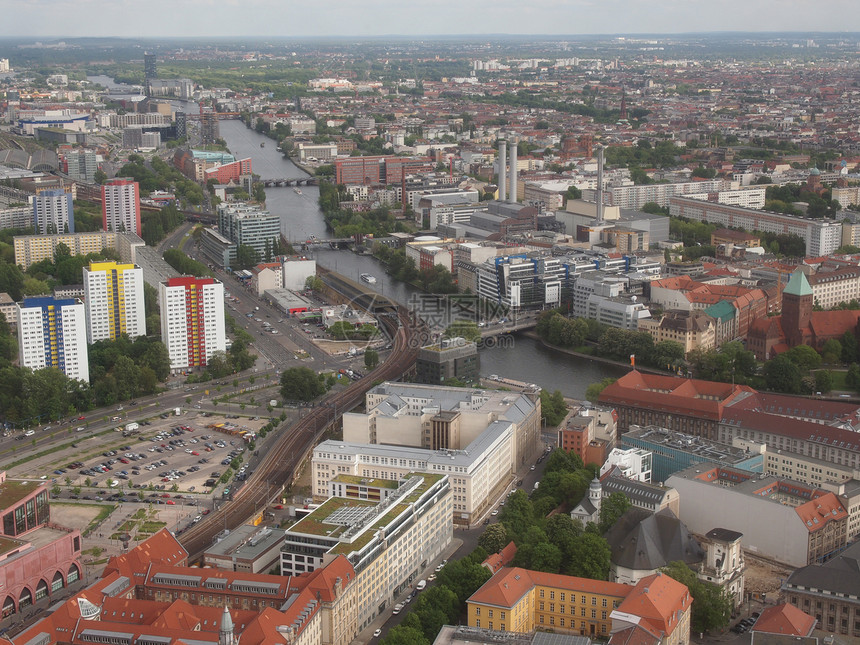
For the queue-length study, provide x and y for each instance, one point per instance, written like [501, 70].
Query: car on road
[377, 632]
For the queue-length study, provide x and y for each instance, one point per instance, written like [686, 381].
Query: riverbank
[608, 361]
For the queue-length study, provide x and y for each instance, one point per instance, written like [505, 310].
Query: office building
[52, 333]
[114, 298]
[822, 236]
[150, 69]
[192, 320]
[39, 560]
[249, 225]
[635, 197]
[388, 530]
[672, 451]
[53, 212]
[209, 126]
[451, 358]
[656, 609]
[121, 206]
[82, 165]
[256, 549]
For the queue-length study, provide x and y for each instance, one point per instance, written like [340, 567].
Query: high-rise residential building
[82, 165]
[150, 71]
[209, 129]
[192, 320]
[52, 212]
[181, 124]
[114, 297]
[121, 206]
[248, 225]
[52, 333]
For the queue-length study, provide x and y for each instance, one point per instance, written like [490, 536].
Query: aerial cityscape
[456, 336]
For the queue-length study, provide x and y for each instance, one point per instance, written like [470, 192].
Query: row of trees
[435, 279]
[184, 264]
[612, 342]
[443, 603]
[65, 268]
[156, 225]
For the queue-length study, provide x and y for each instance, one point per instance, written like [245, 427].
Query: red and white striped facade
[192, 320]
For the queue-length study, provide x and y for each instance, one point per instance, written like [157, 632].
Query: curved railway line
[277, 468]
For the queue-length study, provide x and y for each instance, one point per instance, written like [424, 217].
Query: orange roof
[508, 585]
[785, 619]
[161, 548]
[657, 599]
[817, 513]
[503, 558]
[833, 323]
[672, 394]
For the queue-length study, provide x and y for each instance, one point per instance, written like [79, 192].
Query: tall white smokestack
[599, 186]
[503, 163]
[512, 194]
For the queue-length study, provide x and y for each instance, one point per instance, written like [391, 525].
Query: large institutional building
[52, 333]
[655, 610]
[30, 249]
[249, 225]
[192, 320]
[479, 438]
[114, 297]
[121, 206]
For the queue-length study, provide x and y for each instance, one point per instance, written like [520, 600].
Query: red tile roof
[658, 600]
[785, 619]
[819, 512]
[503, 558]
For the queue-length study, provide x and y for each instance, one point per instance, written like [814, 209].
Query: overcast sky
[148, 18]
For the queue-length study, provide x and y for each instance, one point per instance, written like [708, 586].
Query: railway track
[277, 468]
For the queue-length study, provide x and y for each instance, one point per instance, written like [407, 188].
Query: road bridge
[290, 181]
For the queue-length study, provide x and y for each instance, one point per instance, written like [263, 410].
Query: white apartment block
[52, 333]
[121, 206]
[114, 298]
[634, 463]
[745, 197]
[822, 236]
[635, 197]
[387, 529]
[192, 320]
[829, 288]
[52, 212]
[17, 217]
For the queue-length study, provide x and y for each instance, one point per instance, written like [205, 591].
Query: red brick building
[37, 557]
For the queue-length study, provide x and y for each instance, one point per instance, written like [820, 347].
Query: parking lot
[172, 458]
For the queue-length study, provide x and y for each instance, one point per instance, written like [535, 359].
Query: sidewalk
[366, 635]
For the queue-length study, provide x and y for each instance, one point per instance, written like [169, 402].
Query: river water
[516, 357]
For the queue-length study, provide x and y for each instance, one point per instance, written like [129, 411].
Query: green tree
[781, 374]
[712, 608]
[849, 348]
[831, 351]
[494, 538]
[371, 358]
[823, 381]
[100, 177]
[405, 635]
[466, 329]
[852, 376]
[301, 384]
[804, 357]
[246, 257]
[553, 406]
[590, 558]
[464, 577]
[611, 508]
[592, 392]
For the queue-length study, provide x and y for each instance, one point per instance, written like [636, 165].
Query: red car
[170, 502]
[81, 418]
[165, 495]
[205, 511]
[279, 507]
[195, 453]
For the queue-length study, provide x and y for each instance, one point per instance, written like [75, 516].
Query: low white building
[634, 463]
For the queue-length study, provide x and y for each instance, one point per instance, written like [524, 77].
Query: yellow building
[30, 249]
[691, 329]
[519, 600]
[114, 297]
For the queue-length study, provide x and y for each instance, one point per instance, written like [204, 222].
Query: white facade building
[52, 212]
[192, 320]
[121, 206]
[634, 463]
[297, 271]
[114, 299]
[52, 333]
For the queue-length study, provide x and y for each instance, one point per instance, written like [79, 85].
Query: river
[518, 357]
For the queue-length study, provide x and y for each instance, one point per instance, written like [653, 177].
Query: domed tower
[813, 181]
[595, 494]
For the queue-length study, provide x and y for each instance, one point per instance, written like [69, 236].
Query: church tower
[796, 308]
[225, 633]
[595, 494]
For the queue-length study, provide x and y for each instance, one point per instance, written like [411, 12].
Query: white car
[377, 632]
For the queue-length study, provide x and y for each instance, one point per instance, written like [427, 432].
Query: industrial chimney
[503, 162]
[512, 189]
[599, 221]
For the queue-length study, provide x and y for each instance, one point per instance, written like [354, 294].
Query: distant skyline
[273, 18]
